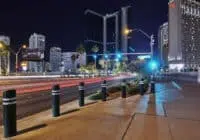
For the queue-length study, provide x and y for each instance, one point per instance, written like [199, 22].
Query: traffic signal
[152, 40]
[153, 65]
[119, 55]
[106, 56]
[95, 56]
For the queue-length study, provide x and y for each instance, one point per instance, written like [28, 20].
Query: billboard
[32, 54]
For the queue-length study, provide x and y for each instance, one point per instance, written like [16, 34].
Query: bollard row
[56, 101]
[81, 94]
[123, 95]
[9, 105]
[9, 113]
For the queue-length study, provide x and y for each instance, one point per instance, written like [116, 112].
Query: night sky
[64, 24]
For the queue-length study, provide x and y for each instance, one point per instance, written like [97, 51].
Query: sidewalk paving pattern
[171, 114]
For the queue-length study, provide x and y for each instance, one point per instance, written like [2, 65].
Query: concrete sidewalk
[171, 114]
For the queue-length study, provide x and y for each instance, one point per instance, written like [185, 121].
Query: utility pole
[116, 32]
[124, 37]
[104, 34]
[152, 42]
[8, 64]
[0, 66]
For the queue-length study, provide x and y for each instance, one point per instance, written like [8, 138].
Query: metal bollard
[141, 87]
[9, 113]
[152, 87]
[81, 93]
[56, 101]
[104, 90]
[123, 89]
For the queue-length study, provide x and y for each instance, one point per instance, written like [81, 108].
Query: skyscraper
[184, 33]
[163, 44]
[55, 59]
[36, 41]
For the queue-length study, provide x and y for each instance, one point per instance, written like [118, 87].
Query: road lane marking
[176, 85]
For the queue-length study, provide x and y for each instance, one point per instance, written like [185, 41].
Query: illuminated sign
[142, 57]
[32, 54]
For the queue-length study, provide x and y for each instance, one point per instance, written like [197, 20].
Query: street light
[1, 45]
[95, 59]
[127, 31]
[105, 17]
[17, 55]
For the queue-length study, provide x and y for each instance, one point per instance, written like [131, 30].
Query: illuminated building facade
[163, 44]
[55, 59]
[184, 34]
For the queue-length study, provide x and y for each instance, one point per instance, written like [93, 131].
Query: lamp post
[95, 59]
[1, 46]
[17, 55]
[105, 17]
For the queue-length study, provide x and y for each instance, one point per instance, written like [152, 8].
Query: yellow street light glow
[24, 46]
[23, 63]
[1, 45]
[127, 31]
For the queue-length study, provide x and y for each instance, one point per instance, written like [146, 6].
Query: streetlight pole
[117, 32]
[0, 66]
[107, 16]
[104, 34]
[17, 58]
[124, 21]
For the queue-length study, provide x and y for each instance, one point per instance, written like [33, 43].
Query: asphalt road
[32, 103]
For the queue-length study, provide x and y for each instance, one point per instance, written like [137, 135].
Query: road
[36, 85]
[31, 103]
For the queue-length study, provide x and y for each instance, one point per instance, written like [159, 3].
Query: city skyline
[60, 26]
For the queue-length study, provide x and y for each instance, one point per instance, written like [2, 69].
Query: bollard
[9, 113]
[104, 90]
[56, 101]
[123, 89]
[141, 87]
[81, 94]
[152, 87]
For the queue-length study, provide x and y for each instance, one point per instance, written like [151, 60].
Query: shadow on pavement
[70, 111]
[31, 129]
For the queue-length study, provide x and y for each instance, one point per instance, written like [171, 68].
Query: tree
[4, 52]
[74, 57]
[4, 49]
[95, 49]
[80, 49]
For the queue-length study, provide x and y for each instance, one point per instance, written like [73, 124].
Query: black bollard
[56, 101]
[124, 89]
[9, 113]
[141, 87]
[81, 94]
[152, 87]
[104, 90]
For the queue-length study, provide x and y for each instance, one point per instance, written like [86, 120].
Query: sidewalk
[172, 114]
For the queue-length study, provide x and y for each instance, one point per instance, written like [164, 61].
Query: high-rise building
[36, 41]
[5, 59]
[69, 65]
[55, 59]
[184, 33]
[163, 44]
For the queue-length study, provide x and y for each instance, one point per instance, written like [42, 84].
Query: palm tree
[95, 49]
[4, 52]
[81, 50]
[74, 57]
